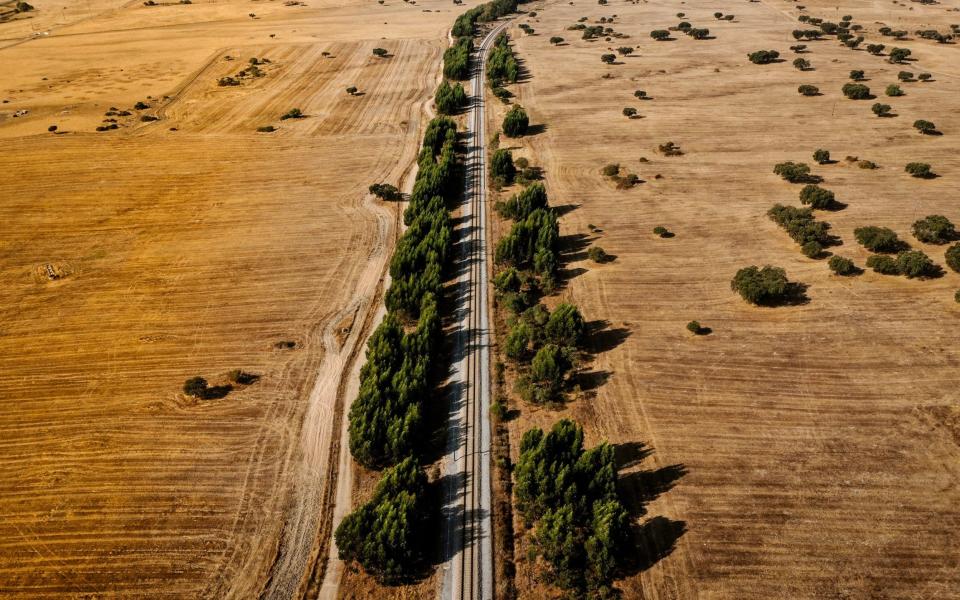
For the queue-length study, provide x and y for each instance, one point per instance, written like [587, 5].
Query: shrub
[884, 265]
[821, 156]
[894, 90]
[661, 231]
[670, 149]
[934, 229]
[501, 165]
[640, 94]
[52, 129]
[699, 33]
[841, 265]
[556, 40]
[881, 110]
[816, 196]
[801, 225]
[878, 239]
[385, 191]
[924, 127]
[352, 90]
[812, 249]
[694, 327]
[266, 129]
[195, 387]
[914, 263]
[905, 76]
[516, 122]
[798, 48]
[763, 57]
[856, 75]
[792, 172]
[856, 91]
[380, 52]
[608, 58]
[660, 34]
[801, 64]
[956, 297]
[875, 49]
[767, 285]
[611, 170]
[293, 113]
[898, 55]
[629, 112]
[924, 76]
[141, 106]
[808, 90]
[953, 257]
[625, 50]
[597, 254]
[919, 169]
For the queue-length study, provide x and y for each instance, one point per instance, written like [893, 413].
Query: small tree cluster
[761, 286]
[919, 170]
[934, 229]
[856, 91]
[763, 57]
[502, 65]
[385, 535]
[450, 99]
[841, 265]
[878, 239]
[817, 197]
[456, 59]
[792, 171]
[910, 263]
[385, 191]
[570, 495]
[812, 235]
[552, 340]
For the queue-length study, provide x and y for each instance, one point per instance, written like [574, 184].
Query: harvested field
[193, 245]
[805, 451]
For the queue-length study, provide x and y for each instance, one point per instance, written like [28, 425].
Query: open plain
[803, 451]
[137, 257]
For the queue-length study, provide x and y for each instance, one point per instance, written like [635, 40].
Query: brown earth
[182, 253]
[805, 451]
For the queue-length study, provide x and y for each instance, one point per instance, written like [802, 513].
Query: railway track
[468, 548]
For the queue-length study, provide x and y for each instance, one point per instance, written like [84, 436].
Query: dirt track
[797, 452]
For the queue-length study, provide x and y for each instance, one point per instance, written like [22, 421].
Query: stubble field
[806, 451]
[191, 245]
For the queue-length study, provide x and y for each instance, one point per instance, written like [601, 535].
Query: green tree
[878, 239]
[385, 535]
[195, 387]
[925, 127]
[821, 156]
[767, 285]
[556, 40]
[763, 57]
[816, 197]
[953, 257]
[565, 326]
[881, 110]
[516, 122]
[841, 265]
[934, 229]
[808, 90]
[792, 172]
[914, 263]
[501, 166]
[919, 169]
[856, 91]
[660, 34]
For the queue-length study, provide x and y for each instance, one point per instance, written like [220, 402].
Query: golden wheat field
[805, 451]
[134, 258]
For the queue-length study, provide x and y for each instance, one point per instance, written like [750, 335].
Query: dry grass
[188, 252]
[819, 441]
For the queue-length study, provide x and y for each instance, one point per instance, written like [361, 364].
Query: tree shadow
[795, 295]
[589, 381]
[655, 540]
[599, 336]
[642, 487]
[563, 209]
[535, 129]
[630, 454]
[215, 392]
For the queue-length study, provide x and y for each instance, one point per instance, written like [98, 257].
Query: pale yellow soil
[189, 252]
[820, 442]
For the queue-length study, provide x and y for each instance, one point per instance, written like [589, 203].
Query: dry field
[807, 451]
[189, 246]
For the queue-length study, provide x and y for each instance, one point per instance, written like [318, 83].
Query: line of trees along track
[388, 535]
